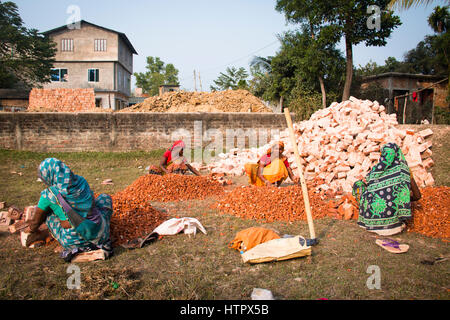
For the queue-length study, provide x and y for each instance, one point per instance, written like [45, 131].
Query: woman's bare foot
[58, 249]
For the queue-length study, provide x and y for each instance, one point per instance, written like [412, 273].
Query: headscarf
[175, 152]
[60, 179]
[279, 144]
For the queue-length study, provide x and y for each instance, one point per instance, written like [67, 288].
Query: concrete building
[95, 57]
[168, 88]
[14, 99]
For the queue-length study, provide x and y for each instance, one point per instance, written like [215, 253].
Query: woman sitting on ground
[272, 168]
[385, 197]
[173, 161]
[77, 220]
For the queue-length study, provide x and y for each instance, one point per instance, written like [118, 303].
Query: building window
[93, 75]
[100, 45]
[66, 44]
[59, 75]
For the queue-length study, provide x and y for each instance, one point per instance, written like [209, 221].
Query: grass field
[203, 267]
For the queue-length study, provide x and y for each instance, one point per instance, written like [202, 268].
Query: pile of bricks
[339, 145]
[61, 100]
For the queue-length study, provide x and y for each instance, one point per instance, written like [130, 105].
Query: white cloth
[174, 226]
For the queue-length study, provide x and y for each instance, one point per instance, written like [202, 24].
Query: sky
[207, 35]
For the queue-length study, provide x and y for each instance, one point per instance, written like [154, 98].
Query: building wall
[83, 44]
[77, 75]
[412, 84]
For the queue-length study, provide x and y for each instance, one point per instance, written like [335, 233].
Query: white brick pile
[339, 145]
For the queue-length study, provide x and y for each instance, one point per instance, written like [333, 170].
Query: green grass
[203, 267]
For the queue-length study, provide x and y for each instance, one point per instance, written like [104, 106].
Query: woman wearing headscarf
[77, 220]
[385, 197]
[272, 168]
[173, 161]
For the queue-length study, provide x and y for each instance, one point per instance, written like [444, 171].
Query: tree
[157, 75]
[349, 19]
[439, 20]
[232, 79]
[26, 57]
[261, 72]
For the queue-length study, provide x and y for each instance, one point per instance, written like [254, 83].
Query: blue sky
[207, 35]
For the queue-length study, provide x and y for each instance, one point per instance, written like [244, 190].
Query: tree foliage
[348, 19]
[301, 60]
[158, 73]
[26, 57]
[233, 79]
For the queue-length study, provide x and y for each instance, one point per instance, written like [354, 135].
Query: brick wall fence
[132, 131]
[66, 132]
[62, 99]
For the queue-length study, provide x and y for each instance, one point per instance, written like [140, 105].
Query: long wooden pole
[312, 233]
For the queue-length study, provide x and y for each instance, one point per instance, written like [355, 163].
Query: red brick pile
[271, 204]
[61, 100]
[431, 214]
[134, 216]
[173, 187]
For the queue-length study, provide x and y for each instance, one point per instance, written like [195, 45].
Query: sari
[384, 201]
[69, 197]
[275, 170]
[174, 162]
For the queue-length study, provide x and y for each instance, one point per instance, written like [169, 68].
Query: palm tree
[439, 20]
[407, 4]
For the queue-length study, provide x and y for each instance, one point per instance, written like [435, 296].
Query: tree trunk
[324, 94]
[349, 69]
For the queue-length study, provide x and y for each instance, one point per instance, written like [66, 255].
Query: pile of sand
[219, 101]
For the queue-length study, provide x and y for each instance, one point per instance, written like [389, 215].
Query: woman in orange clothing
[272, 168]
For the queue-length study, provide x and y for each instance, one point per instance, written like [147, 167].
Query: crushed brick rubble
[134, 215]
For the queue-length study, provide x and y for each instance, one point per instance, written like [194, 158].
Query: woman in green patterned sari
[385, 198]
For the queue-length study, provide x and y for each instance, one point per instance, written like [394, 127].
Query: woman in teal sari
[77, 220]
[385, 197]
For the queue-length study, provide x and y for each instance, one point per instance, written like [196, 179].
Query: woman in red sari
[173, 161]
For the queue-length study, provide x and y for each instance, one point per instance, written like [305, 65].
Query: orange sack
[251, 237]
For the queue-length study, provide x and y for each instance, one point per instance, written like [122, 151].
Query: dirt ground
[203, 267]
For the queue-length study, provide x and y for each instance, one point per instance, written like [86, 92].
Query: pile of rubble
[270, 204]
[218, 101]
[431, 214]
[134, 216]
[339, 145]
